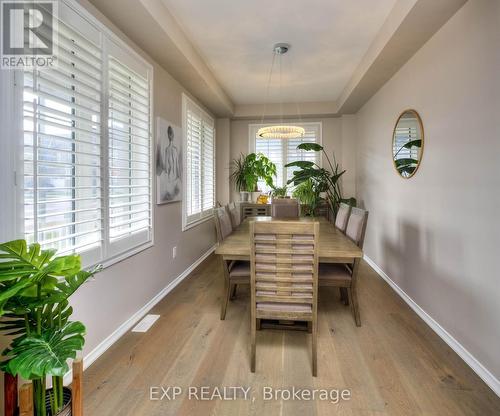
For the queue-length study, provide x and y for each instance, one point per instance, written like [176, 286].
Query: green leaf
[37, 356]
[310, 146]
[405, 162]
[411, 143]
[304, 164]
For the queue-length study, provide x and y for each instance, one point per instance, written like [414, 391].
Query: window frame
[108, 255]
[254, 127]
[186, 103]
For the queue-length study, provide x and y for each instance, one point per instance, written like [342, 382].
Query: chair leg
[258, 325]
[225, 298]
[253, 346]
[354, 305]
[309, 327]
[233, 291]
[314, 348]
[343, 296]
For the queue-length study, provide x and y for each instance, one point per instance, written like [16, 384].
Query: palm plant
[324, 180]
[34, 290]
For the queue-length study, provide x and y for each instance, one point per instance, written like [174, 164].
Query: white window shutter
[199, 181]
[129, 151]
[62, 149]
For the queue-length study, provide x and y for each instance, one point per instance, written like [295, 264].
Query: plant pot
[255, 196]
[244, 196]
[66, 410]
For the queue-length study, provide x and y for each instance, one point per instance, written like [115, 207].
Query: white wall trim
[136, 317]
[463, 353]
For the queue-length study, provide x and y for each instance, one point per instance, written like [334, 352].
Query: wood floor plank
[394, 364]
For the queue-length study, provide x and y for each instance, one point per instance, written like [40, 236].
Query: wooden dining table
[333, 247]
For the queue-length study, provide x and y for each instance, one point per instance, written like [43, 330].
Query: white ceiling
[235, 38]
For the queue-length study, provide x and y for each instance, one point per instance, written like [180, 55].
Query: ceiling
[235, 39]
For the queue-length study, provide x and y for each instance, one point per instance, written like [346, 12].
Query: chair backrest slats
[342, 216]
[356, 226]
[284, 263]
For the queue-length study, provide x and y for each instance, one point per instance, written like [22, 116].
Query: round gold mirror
[408, 143]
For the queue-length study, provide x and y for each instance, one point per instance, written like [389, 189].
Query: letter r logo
[27, 27]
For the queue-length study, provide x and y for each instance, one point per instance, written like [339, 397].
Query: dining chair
[284, 276]
[342, 216]
[345, 276]
[235, 272]
[234, 213]
[285, 208]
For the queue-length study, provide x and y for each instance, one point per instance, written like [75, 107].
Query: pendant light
[279, 131]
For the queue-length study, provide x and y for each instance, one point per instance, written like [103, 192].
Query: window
[199, 162]
[87, 145]
[283, 151]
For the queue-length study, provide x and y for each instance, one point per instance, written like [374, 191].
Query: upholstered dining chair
[234, 214]
[342, 216]
[344, 276]
[235, 272]
[284, 276]
[285, 208]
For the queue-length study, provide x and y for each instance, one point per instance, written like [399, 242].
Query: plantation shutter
[129, 151]
[283, 151]
[200, 163]
[62, 124]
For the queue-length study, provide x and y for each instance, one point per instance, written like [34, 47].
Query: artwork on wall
[168, 162]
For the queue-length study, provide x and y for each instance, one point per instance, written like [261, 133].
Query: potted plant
[324, 180]
[279, 192]
[34, 290]
[246, 172]
[308, 194]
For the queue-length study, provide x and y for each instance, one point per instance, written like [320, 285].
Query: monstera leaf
[310, 146]
[37, 356]
[22, 267]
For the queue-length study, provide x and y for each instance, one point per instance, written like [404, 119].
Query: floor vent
[146, 323]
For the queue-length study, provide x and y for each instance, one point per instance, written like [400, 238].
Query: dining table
[333, 247]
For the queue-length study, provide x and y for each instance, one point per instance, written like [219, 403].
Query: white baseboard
[471, 361]
[136, 317]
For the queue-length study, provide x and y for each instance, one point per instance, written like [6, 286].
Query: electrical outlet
[174, 252]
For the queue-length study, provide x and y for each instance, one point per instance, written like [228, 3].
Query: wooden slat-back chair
[235, 272]
[284, 276]
[345, 276]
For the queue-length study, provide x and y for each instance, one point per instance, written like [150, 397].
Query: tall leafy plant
[34, 290]
[247, 170]
[324, 180]
[309, 195]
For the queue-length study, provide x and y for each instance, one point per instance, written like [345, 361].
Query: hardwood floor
[393, 365]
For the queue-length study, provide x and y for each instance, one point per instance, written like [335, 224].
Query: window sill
[121, 257]
[196, 223]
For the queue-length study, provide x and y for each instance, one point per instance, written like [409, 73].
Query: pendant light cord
[268, 87]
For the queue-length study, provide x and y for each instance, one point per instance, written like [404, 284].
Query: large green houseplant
[35, 286]
[246, 172]
[309, 195]
[323, 180]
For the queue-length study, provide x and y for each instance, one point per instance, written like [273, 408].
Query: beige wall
[437, 235]
[337, 135]
[223, 133]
